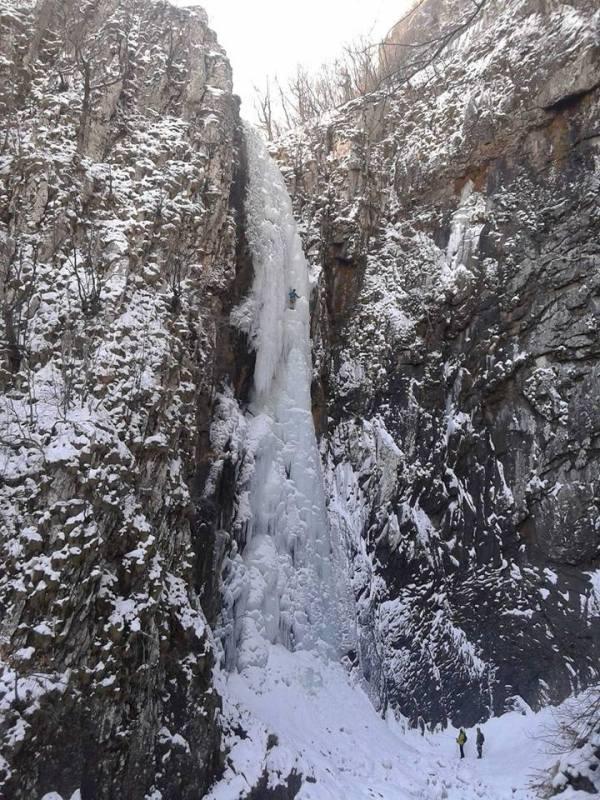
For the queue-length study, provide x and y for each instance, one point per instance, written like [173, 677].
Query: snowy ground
[327, 729]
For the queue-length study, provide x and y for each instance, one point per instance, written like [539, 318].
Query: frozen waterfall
[286, 585]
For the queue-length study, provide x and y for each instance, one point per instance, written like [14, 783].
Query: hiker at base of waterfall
[461, 740]
[293, 296]
[480, 740]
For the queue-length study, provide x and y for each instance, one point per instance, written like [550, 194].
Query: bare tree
[177, 262]
[101, 58]
[363, 68]
[400, 61]
[263, 106]
[87, 265]
[18, 267]
[575, 726]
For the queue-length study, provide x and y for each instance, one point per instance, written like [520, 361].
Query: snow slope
[327, 730]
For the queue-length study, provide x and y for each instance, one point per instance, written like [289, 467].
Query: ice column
[288, 585]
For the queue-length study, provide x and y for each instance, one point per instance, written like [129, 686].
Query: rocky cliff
[454, 216]
[452, 219]
[120, 193]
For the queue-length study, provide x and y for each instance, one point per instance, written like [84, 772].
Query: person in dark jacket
[461, 740]
[293, 296]
[480, 740]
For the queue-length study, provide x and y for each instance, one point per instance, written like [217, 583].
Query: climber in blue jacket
[293, 296]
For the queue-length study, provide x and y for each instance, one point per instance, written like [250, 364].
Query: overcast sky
[267, 37]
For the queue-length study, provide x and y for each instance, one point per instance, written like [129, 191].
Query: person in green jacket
[461, 740]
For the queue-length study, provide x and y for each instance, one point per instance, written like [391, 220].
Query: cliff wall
[452, 218]
[121, 188]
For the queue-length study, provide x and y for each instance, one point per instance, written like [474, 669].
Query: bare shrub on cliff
[86, 266]
[307, 96]
[100, 59]
[401, 60]
[363, 67]
[263, 105]
[574, 737]
[18, 266]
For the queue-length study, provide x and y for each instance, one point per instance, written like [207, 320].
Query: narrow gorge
[255, 545]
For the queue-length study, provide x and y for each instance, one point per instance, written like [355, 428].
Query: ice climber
[293, 296]
[480, 740]
[461, 740]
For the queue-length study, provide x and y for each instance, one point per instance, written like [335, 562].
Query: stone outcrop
[121, 187]
[455, 217]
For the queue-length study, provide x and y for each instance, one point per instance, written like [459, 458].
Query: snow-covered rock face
[117, 277]
[456, 222]
[453, 309]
